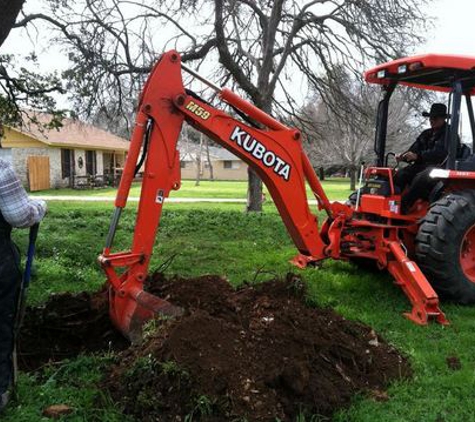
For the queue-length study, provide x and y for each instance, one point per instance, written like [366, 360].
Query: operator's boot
[420, 188]
[351, 201]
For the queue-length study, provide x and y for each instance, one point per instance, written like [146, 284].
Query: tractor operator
[427, 152]
[16, 210]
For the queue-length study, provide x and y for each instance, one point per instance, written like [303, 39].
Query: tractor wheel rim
[467, 254]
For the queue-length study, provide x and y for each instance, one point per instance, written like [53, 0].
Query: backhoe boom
[275, 152]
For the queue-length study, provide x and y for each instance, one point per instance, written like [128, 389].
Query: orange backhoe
[427, 248]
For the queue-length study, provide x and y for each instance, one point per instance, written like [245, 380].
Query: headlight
[402, 69]
[415, 66]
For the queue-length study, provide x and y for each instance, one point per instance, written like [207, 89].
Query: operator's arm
[418, 146]
[414, 151]
[435, 155]
[15, 206]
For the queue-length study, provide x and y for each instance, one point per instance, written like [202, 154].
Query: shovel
[22, 295]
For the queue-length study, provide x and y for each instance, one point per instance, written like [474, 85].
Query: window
[234, 165]
[108, 162]
[91, 163]
[182, 164]
[66, 160]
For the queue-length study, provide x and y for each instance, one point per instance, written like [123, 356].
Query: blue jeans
[10, 279]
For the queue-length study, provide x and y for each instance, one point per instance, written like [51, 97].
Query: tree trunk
[254, 188]
[10, 10]
[198, 162]
[352, 178]
[208, 158]
[321, 173]
[254, 191]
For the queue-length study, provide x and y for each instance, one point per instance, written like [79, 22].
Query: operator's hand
[410, 156]
[407, 157]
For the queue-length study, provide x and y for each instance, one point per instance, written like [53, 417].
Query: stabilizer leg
[424, 300]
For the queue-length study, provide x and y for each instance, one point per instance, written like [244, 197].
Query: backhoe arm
[273, 150]
[277, 157]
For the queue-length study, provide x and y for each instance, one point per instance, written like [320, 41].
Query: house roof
[189, 151]
[73, 134]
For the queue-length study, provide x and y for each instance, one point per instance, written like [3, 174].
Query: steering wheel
[386, 159]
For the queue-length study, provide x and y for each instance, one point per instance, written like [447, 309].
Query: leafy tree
[20, 85]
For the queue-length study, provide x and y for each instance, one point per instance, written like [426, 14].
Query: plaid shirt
[15, 206]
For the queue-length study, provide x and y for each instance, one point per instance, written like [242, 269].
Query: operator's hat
[436, 110]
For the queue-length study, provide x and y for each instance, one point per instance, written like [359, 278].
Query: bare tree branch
[10, 10]
[112, 45]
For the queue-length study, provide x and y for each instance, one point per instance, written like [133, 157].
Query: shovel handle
[30, 255]
[20, 309]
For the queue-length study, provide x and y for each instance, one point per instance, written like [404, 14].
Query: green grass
[73, 383]
[336, 188]
[221, 239]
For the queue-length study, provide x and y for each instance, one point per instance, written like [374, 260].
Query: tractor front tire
[444, 250]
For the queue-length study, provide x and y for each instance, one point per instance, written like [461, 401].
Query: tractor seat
[465, 159]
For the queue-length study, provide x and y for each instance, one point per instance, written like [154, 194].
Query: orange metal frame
[433, 62]
[276, 153]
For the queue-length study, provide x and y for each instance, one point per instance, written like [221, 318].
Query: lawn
[221, 239]
[336, 188]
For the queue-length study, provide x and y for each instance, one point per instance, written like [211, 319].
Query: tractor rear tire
[443, 247]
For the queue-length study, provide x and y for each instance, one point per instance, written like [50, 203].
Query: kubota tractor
[426, 250]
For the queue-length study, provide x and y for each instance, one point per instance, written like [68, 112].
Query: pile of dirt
[65, 326]
[258, 353]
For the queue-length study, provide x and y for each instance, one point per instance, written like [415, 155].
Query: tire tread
[437, 246]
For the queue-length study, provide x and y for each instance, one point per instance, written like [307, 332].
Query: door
[38, 173]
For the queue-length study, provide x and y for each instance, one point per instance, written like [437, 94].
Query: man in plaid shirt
[16, 210]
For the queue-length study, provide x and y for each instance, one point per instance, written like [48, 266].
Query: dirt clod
[453, 362]
[378, 395]
[57, 410]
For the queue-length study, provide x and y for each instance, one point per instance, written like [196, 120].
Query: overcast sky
[453, 33]
[454, 28]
